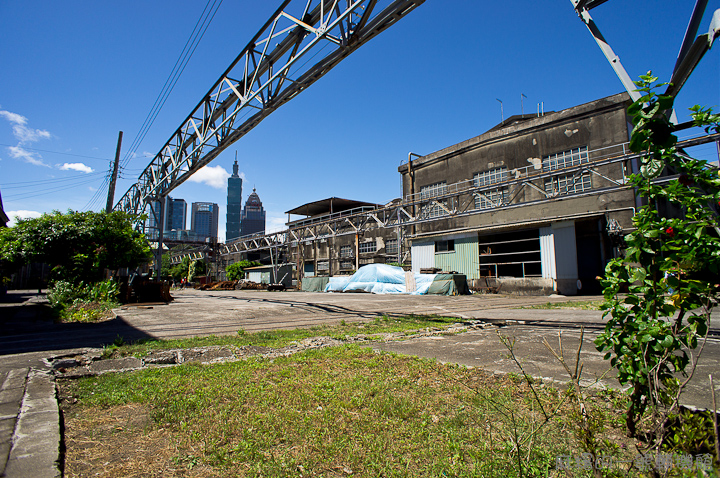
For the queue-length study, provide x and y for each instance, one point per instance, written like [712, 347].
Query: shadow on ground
[27, 325]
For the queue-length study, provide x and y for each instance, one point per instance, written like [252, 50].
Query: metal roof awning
[329, 206]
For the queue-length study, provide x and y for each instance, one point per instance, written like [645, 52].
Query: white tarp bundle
[381, 279]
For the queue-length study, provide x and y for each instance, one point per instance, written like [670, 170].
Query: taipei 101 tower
[234, 204]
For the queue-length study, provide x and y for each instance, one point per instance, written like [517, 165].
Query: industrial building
[538, 204]
[338, 254]
[533, 204]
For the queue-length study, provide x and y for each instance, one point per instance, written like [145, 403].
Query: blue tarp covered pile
[385, 279]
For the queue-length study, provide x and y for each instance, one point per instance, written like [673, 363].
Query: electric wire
[56, 152]
[27, 195]
[99, 193]
[137, 139]
[185, 55]
[41, 182]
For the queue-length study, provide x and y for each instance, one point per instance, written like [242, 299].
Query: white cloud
[213, 176]
[13, 117]
[148, 155]
[76, 167]
[18, 152]
[22, 214]
[29, 135]
[24, 135]
[275, 222]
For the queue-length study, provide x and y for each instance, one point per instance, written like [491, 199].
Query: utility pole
[113, 179]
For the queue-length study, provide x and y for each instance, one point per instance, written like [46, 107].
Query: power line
[55, 152]
[20, 196]
[98, 194]
[190, 45]
[40, 182]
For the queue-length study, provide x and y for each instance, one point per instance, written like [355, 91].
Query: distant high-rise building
[177, 214]
[234, 205]
[174, 214]
[253, 216]
[204, 219]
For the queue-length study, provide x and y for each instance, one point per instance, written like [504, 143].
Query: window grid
[346, 251]
[571, 157]
[365, 247]
[492, 198]
[391, 246]
[431, 191]
[490, 177]
[568, 183]
[323, 266]
[345, 265]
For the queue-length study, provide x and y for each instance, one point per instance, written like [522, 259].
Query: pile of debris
[233, 285]
[222, 285]
[249, 285]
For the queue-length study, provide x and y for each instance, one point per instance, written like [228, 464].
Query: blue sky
[76, 73]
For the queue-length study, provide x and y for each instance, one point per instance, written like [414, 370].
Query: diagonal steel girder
[270, 71]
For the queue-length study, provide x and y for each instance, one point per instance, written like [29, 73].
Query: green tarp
[314, 284]
[449, 284]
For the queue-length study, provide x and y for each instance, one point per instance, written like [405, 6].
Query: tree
[77, 245]
[180, 271]
[236, 270]
[670, 268]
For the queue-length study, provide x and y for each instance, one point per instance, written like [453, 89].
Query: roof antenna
[502, 113]
[522, 106]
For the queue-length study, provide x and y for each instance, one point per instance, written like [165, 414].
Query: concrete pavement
[29, 419]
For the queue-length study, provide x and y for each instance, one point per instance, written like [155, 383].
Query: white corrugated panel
[423, 256]
[565, 250]
[255, 277]
[547, 253]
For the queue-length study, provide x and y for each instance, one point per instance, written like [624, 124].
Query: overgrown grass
[329, 412]
[580, 305]
[280, 338]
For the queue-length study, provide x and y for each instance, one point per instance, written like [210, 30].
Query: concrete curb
[35, 446]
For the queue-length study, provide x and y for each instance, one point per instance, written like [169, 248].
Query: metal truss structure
[276, 66]
[270, 71]
[691, 51]
[457, 201]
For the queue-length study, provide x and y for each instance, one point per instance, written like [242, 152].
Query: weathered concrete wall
[595, 125]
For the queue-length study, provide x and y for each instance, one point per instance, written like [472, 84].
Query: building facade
[174, 213]
[252, 219]
[204, 220]
[177, 215]
[234, 205]
[343, 253]
[535, 204]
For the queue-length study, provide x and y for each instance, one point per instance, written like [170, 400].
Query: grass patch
[330, 412]
[578, 305]
[280, 338]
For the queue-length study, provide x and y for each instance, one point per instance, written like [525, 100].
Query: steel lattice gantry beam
[268, 73]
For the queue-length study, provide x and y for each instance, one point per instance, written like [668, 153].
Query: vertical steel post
[161, 227]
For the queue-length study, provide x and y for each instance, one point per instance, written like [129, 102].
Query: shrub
[81, 302]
